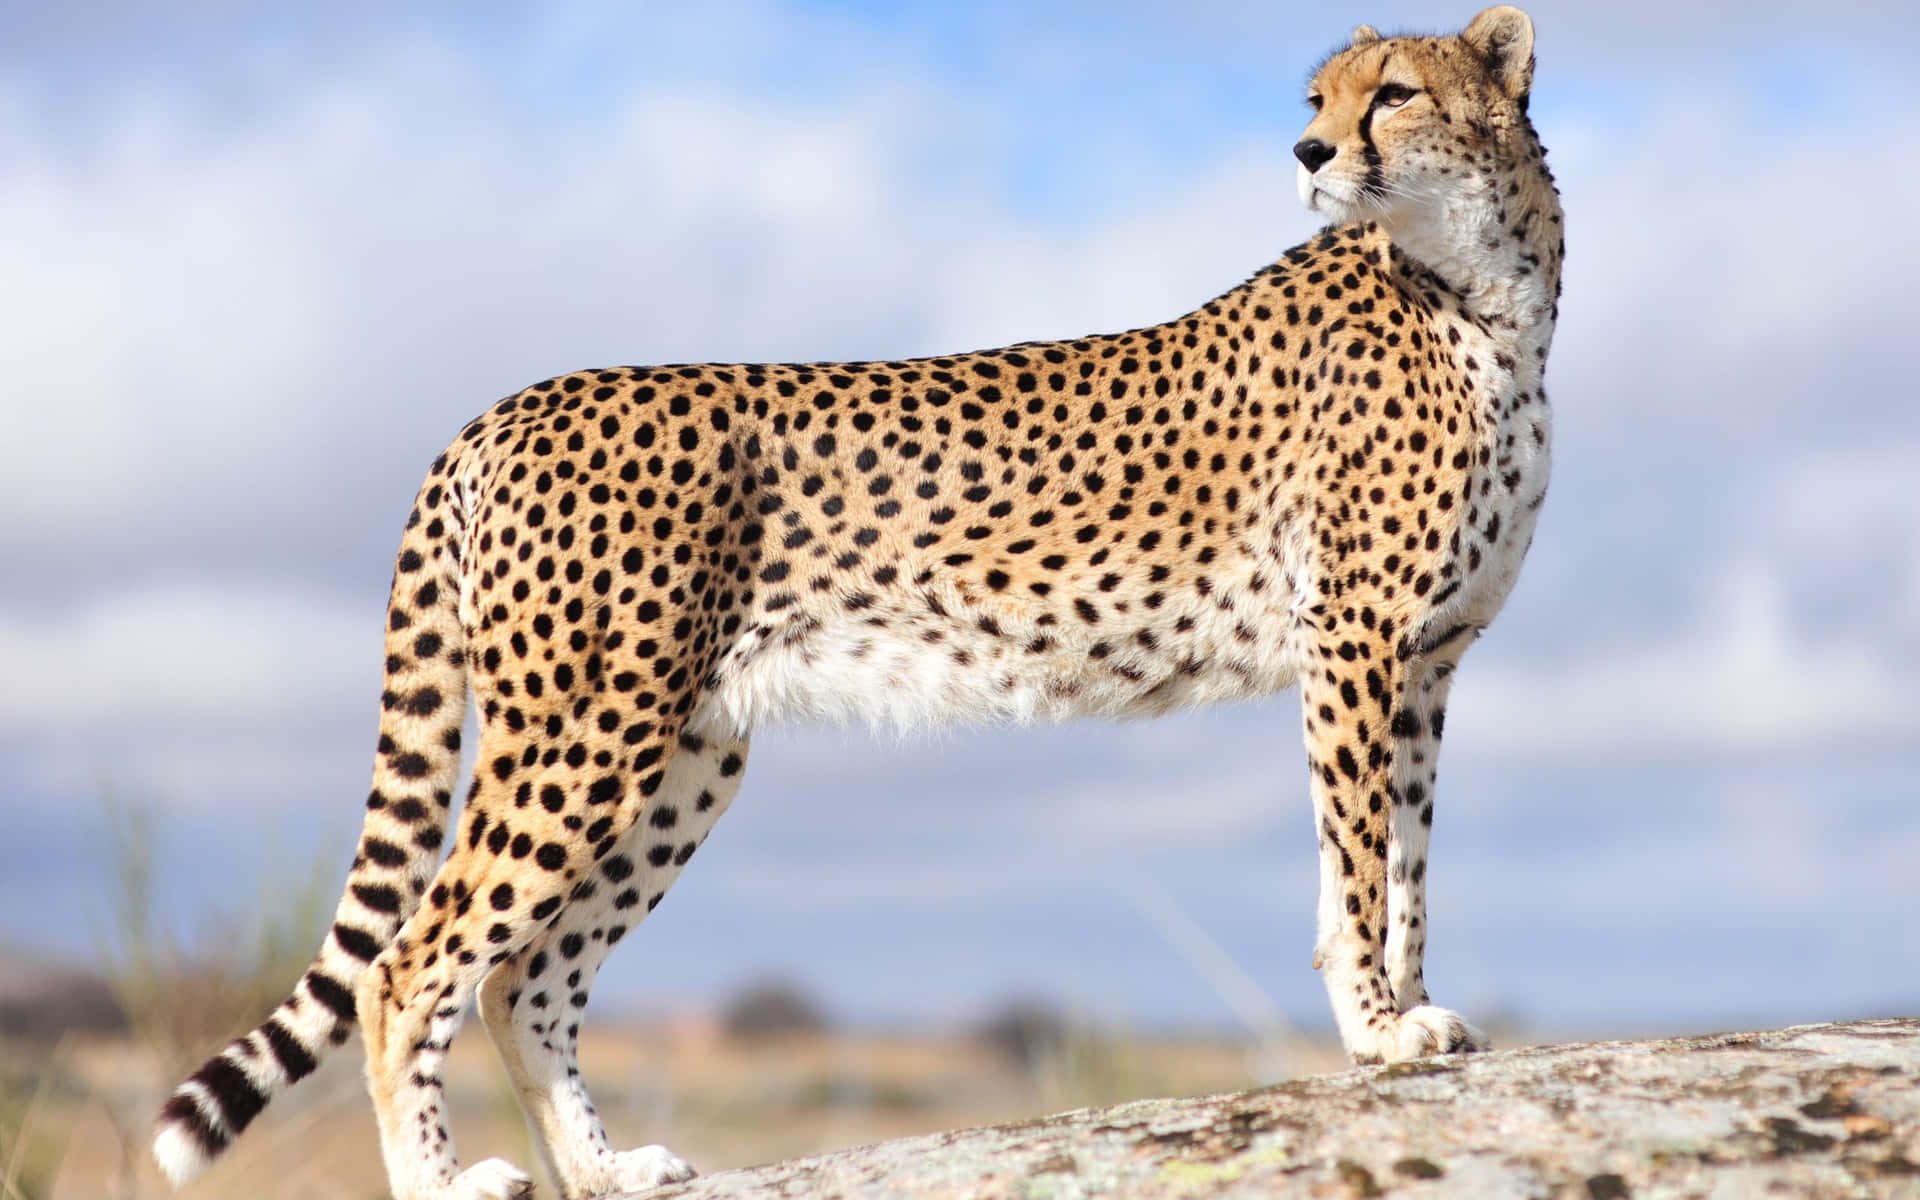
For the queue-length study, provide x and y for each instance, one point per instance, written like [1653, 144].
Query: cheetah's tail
[422, 707]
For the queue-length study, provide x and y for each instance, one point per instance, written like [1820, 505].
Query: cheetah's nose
[1313, 153]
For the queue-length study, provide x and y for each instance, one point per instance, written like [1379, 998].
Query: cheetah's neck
[1497, 243]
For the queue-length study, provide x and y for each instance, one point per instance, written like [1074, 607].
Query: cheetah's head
[1404, 125]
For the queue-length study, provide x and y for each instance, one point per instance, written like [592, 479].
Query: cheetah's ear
[1503, 38]
[1362, 34]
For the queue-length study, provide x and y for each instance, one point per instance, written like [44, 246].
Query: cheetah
[1327, 477]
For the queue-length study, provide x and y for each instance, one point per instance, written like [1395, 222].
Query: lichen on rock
[1815, 1110]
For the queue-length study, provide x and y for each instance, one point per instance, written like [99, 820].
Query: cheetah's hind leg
[532, 1004]
[512, 870]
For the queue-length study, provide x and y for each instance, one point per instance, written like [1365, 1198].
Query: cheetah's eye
[1393, 95]
[1316, 100]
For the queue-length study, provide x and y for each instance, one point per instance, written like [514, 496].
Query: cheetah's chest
[1503, 497]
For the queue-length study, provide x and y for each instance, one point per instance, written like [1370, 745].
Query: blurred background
[259, 266]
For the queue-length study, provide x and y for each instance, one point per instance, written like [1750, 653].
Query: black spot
[1348, 766]
[604, 789]
[408, 766]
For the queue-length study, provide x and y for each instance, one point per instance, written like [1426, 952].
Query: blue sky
[263, 267]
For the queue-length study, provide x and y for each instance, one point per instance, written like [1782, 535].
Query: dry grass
[30, 1148]
[184, 997]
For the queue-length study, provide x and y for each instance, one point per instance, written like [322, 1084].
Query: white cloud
[187, 652]
[1171, 252]
[1737, 677]
[1217, 792]
[191, 693]
[1723, 285]
[920, 883]
[1871, 486]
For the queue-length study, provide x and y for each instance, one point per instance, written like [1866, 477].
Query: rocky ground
[1816, 1110]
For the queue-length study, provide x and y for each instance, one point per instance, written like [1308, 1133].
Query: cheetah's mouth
[1324, 196]
[1340, 201]
[1308, 190]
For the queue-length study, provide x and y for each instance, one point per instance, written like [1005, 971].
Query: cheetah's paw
[1426, 1030]
[647, 1167]
[491, 1179]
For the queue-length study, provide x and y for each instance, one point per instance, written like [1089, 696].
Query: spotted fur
[1325, 477]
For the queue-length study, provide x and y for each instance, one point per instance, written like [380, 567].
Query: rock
[1816, 1110]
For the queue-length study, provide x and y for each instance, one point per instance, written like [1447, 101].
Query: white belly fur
[903, 665]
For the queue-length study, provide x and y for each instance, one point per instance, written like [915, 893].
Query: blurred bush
[1031, 1032]
[1068, 1059]
[40, 1000]
[770, 1008]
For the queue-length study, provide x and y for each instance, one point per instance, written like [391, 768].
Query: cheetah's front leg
[1415, 727]
[1349, 697]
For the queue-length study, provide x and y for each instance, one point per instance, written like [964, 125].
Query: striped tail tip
[204, 1114]
[186, 1138]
